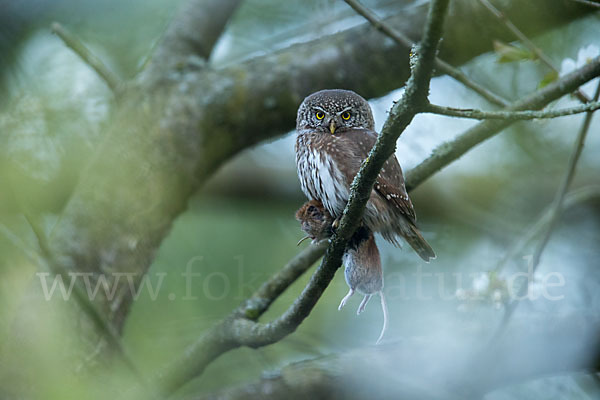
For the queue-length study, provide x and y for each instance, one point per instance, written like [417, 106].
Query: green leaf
[548, 79]
[509, 53]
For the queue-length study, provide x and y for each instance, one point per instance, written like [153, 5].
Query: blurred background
[240, 228]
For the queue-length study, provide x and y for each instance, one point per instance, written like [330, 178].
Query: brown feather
[390, 182]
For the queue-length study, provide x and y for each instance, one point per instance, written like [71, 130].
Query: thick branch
[194, 31]
[510, 115]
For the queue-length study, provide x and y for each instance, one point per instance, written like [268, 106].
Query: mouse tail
[385, 316]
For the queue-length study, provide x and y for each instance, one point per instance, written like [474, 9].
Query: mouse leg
[345, 299]
[363, 304]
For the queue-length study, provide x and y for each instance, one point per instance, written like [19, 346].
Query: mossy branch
[510, 115]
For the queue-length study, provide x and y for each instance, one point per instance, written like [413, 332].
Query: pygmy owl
[335, 132]
[361, 258]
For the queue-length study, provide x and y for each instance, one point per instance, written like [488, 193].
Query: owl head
[334, 110]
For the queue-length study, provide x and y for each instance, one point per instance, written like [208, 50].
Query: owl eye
[346, 115]
[320, 115]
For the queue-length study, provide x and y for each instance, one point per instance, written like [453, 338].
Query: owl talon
[336, 224]
[302, 240]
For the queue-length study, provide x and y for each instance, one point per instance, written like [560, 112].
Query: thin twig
[110, 78]
[18, 243]
[451, 151]
[443, 66]
[555, 214]
[217, 340]
[104, 327]
[510, 115]
[573, 198]
[588, 3]
[528, 43]
[260, 301]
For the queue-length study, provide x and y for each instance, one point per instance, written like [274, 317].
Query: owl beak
[332, 126]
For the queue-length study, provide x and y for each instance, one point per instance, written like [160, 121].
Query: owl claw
[302, 240]
[336, 224]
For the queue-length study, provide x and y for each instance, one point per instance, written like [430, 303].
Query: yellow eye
[319, 115]
[346, 115]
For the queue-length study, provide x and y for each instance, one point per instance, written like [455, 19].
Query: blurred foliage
[509, 53]
[241, 229]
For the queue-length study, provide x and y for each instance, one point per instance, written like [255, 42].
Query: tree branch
[450, 151]
[108, 332]
[510, 115]
[404, 369]
[441, 65]
[528, 43]
[193, 32]
[555, 212]
[220, 338]
[588, 3]
[262, 299]
[109, 77]
[18, 243]
[572, 199]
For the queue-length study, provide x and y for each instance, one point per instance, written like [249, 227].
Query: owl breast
[320, 177]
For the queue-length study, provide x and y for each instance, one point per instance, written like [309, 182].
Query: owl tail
[414, 238]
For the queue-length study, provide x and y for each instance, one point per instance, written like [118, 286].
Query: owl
[335, 132]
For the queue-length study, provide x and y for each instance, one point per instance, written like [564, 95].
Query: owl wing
[390, 181]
